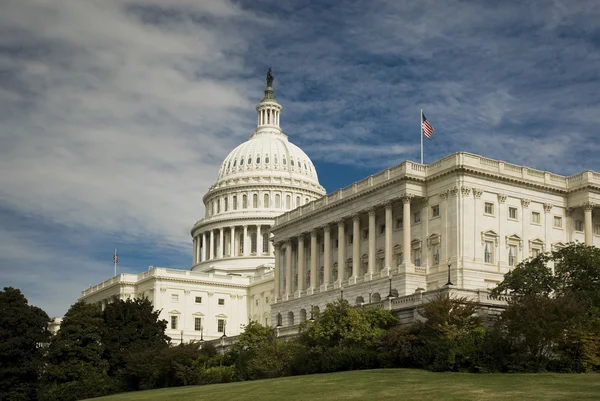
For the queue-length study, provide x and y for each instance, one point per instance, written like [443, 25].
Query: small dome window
[234, 163]
[267, 159]
[292, 162]
[242, 161]
[305, 166]
[258, 159]
[283, 161]
[275, 157]
[249, 160]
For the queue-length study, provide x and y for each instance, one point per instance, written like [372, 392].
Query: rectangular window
[512, 213]
[365, 234]
[557, 221]
[436, 254]
[578, 225]
[398, 223]
[336, 244]
[597, 229]
[488, 252]
[418, 257]
[256, 303]
[351, 239]
[535, 252]
[267, 300]
[435, 211]
[234, 202]
[174, 322]
[221, 325]
[174, 298]
[382, 229]
[489, 208]
[417, 217]
[198, 300]
[399, 259]
[198, 324]
[221, 301]
[512, 255]
[535, 218]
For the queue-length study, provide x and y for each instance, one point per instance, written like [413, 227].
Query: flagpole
[115, 261]
[421, 136]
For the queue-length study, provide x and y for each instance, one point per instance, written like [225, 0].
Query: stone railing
[461, 159]
[119, 278]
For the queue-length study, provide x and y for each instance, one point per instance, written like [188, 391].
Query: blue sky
[116, 115]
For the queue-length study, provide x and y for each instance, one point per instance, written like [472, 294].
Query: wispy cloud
[115, 115]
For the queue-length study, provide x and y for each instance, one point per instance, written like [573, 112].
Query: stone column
[406, 225]
[212, 244]
[301, 278]
[327, 257]
[388, 238]
[198, 243]
[355, 248]
[288, 270]
[372, 247]
[232, 242]
[587, 223]
[277, 247]
[203, 246]
[245, 241]
[313, 262]
[195, 252]
[221, 242]
[341, 251]
[259, 241]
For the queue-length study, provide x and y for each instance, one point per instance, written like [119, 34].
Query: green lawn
[388, 384]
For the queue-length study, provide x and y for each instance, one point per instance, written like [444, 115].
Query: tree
[76, 368]
[23, 333]
[532, 276]
[130, 327]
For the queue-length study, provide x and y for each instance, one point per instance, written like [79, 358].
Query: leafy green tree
[76, 368]
[23, 333]
[532, 276]
[343, 325]
[577, 271]
[130, 327]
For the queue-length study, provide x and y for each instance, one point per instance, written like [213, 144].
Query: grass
[388, 384]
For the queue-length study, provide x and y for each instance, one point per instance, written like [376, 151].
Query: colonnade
[232, 241]
[295, 252]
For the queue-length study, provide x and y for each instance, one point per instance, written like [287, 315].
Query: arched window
[249, 160]
[267, 159]
[288, 202]
[291, 162]
[297, 201]
[234, 202]
[258, 159]
[242, 161]
[213, 207]
[275, 159]
[244, 202]
[218, 205]
[225, 203]
[255, 201]
[241, 245]
[283, 161]
[253, 243]
[305, 201]
[234, 163]
[266, 201]
[277, 201]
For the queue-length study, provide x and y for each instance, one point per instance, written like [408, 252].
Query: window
[488, 249]
[255, 201]
[221, 325]
[489, 208]
[221, 301]
[218, 205]
[418, 257]
[198, 300]
[557, 221]
[241, 245]
[350, 238]
[266, 201]
[597, 229]
[198, 324]
[235, 205]
[365, 234]
[288, 202]
[244, 202]
[535, 252]
[258, 159]
[267, 159]
[535, 218]
[436, 254]
[399, 259]
[174, 322]
[382, 229]
[226, 203]
[283, 160]
[278, 201]
[336, 244]
[265, 238]
[174, 298]
[578, 225]
[417, 217]
[256, 303]
[253, 243]
[512, 255]
[512, 213]
[398, 223]
[266, 300]
[323, 247]
[242, 161]
[297, 201]
[435, 211]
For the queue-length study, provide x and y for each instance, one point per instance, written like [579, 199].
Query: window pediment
[415, 244]
[514, 240]
[174, 312]
[434, 239]
[221, 316]
[491, 236]
[558, 245]
[200, 314]
[397, 249]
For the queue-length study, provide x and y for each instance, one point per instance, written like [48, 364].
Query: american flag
[426, 127]
[116, 258]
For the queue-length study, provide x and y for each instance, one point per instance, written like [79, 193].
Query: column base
[310, 291]
[287, 297]
[385, 271]
[337, 284]
[368, 276]
[298, 293]
[352, 280]
[324, 287]
[406, 267]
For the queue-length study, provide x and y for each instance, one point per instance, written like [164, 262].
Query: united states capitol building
[273, 247]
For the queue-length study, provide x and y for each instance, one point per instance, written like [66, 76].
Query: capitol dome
[259, 180]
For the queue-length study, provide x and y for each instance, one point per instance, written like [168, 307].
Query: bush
[218, 374]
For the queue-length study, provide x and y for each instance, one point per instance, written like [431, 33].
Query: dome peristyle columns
[268, 115]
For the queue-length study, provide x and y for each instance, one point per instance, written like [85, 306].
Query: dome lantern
[268, 110]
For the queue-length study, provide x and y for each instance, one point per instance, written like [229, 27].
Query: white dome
[268, 154]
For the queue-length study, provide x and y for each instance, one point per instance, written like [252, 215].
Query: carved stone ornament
[187, 292]
[569, 211]
[525, 202]
[548, 207]
[371, 211]
[388, 204]
[466, 191]
[425, 202]
[355, 217]
[443, 195]
[210, 294]
[501, 198]
[163, 289]
[588, 206]
[454, 191]
[407, 198]
[477, 192]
